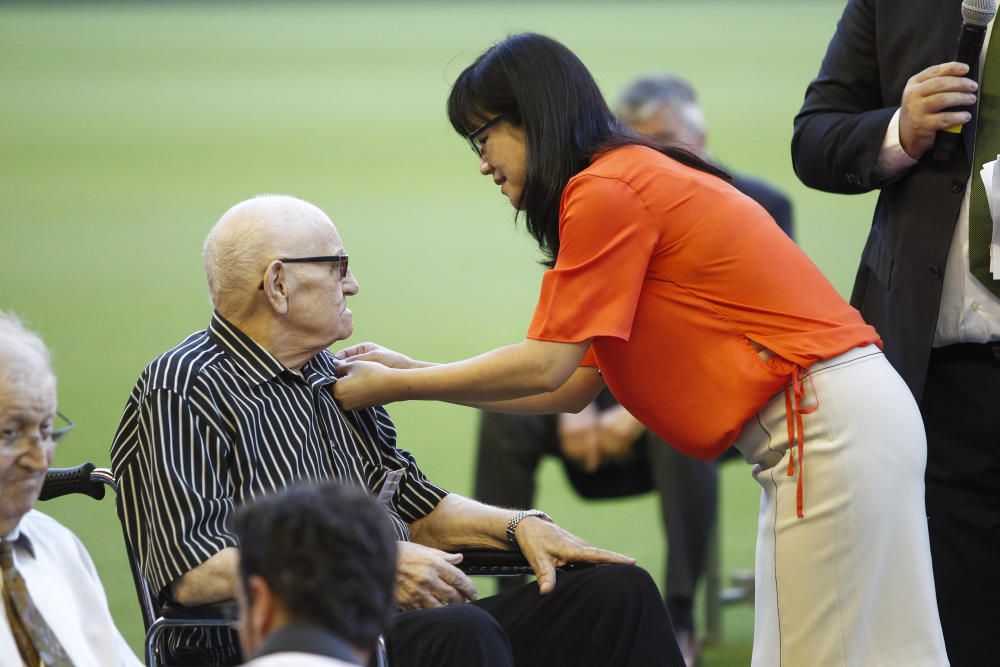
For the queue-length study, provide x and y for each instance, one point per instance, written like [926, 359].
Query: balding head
[294, 309]
[250, 235]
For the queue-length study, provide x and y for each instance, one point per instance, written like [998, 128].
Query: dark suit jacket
[878, 45]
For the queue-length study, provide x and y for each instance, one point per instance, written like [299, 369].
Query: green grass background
[126, 130]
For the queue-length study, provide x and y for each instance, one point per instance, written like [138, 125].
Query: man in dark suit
[869, 120]
[606, 451]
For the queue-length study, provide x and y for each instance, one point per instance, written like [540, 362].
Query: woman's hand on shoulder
[375, 352]
[363, 384]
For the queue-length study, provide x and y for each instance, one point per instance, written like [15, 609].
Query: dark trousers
[604, 616]
[512, 446]
[961, 409]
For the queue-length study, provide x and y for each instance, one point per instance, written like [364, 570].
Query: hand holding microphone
[976, 16]
[934, 99]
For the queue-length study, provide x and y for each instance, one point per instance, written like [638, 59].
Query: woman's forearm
[528, 368]
[574, 395]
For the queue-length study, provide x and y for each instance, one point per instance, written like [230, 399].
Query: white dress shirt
[969, 313]
[64, 586]
[297, 660]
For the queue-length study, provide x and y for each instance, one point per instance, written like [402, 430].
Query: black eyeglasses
[473, 137]
[319, 259]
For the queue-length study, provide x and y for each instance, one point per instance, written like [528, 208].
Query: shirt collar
[19, 538]
[257, 363]
[308, 638]
[315, 375]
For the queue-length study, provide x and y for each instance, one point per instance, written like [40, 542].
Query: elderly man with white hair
[245, 408]
[55, 612]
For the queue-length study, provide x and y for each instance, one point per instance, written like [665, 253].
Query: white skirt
[849, 583]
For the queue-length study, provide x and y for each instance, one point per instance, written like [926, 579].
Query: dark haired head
[328, 554]
[550, 93]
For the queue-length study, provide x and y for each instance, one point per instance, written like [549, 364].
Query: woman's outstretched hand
[375, 352]
[363, 384]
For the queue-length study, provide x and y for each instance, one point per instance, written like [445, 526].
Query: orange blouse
[673, 272]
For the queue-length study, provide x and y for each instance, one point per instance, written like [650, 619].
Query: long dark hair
[548, 91]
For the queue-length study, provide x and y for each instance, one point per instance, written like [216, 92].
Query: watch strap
[518, 517]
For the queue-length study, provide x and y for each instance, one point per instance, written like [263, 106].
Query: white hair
[24, 358]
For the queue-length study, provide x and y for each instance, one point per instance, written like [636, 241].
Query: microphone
[976, 15]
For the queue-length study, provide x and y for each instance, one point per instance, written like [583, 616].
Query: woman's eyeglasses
[473, 137]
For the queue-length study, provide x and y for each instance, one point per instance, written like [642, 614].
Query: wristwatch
[516, 519]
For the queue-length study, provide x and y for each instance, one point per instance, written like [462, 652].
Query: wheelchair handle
[62, 481]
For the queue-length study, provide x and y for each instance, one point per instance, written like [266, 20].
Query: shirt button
[957, 185]
[935, 271]
[975, 307]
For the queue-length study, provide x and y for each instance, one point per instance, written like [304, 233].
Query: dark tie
[35, 639]
[987, 148]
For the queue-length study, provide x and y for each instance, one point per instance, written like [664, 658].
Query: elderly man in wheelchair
[244, 408]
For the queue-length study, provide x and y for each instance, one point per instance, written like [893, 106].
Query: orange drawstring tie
[794, 393]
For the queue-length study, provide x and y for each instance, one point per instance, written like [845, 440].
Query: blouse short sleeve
[606, 239]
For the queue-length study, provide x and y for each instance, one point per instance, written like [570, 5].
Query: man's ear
[261, 607]
[275, 286]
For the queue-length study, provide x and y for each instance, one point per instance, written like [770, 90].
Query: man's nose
[485, 168]
[350, 284]
[36, 457]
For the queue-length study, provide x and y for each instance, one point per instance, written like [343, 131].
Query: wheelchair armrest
[63, 481]
[477, 562]
[486, 562]
[217, 611]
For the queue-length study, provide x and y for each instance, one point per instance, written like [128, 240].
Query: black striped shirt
[216, 421]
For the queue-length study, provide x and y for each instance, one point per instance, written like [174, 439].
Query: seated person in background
[245, 408]
[317, 564]
[55, 612]
[607, 452]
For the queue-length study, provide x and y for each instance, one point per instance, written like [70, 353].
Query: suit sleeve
[839, 129]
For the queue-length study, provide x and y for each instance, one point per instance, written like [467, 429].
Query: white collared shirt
[66, 590]
[297, 660]
[969, 313]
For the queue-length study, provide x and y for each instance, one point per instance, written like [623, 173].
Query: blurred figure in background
[55, 613]
[317, 565]
[606, 451]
